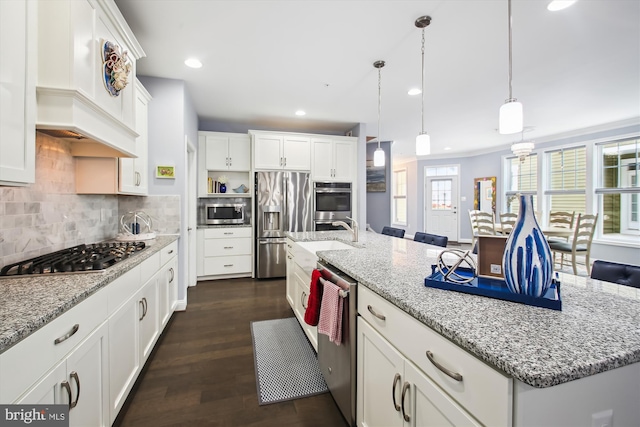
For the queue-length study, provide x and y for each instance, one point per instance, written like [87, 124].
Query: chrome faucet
[354, 230]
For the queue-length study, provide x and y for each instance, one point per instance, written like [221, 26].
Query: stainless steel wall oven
[332, 202]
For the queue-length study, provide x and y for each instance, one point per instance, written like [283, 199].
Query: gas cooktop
[93, 257]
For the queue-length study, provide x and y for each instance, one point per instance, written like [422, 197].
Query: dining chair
[485, 223]
[621, 274]
[431, 239]
[474, 228]
[562, 220]
[391, 231]
[580, 244]
[507, 221]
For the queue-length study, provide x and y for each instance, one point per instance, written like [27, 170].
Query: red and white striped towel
[330, 323]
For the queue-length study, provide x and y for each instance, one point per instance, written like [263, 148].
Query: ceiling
[263, 60]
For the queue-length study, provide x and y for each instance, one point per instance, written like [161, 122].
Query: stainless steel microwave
[224, 213]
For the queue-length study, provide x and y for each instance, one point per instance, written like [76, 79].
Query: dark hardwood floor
[202, 370]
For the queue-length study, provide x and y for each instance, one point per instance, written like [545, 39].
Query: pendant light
[511, 120]
[423, 140]
[523, 148]
[378, 155]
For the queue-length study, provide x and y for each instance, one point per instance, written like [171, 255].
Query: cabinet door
[322, 160]
[240, 153]
[217, 153]
[148, 317]
[124, 359]
[427, 405]
[344, 156]
[290, 285]
[87, 368]
[171, 275]
[163, 301]
[48, 389]
[133, 171]
[380, 370]
[267, 152]
[296, 152]
[18, 73]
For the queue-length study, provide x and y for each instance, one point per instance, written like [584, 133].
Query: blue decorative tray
[494, 288]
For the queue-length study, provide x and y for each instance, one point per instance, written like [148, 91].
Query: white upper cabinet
[73, 90]
[281, 151]
[334, 159]
[18, 68]
[134, 177]
[227, 151]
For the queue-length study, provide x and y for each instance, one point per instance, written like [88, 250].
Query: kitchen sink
[324, 245]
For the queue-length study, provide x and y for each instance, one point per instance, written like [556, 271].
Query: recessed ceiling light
[447, 148]
[300, 113]
[414, 91]
[193, 63]
[559, 4]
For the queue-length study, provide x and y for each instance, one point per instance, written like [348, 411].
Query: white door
[441, 206]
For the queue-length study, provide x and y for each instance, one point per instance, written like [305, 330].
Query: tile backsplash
[47, 215]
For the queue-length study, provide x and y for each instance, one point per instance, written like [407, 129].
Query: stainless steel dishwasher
[338, 362]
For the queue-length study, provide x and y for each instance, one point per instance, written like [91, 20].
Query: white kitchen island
[562, 367]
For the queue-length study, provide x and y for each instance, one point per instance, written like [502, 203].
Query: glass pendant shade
[378, 157]
[510, 117]
[423, 144]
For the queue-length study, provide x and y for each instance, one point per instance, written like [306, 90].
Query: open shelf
[231, 195]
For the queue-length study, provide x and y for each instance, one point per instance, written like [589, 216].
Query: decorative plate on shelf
[116, 68]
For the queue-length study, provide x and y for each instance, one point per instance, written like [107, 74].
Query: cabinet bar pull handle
[378, 315]
[170, 252]
[396, 380]
[228, 265]
[172, 275]
[228, 247]
[405, 388]
[74, 375]
[228, 234]
[304, 295]
[68, 334]
[66, 386]
[144, 300]
[230, 161]
[141, 315]
[456, 376]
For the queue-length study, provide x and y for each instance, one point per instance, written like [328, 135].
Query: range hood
[79, 41]
[92, 132]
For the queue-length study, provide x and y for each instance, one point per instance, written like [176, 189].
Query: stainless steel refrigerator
[283, 203]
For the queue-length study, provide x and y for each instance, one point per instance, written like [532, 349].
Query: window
[619, 189]
[522, 178]
[567, 180]
[400, 196]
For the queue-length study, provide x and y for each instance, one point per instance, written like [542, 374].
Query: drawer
[168, 252]
[483, 391]
[149, 267]
[227, 265]
[23, 364]
[226, 232]
[225, 247]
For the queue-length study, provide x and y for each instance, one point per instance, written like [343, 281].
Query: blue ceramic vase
[223, 188]
[527, 261]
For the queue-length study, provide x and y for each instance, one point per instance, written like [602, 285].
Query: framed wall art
[165, 172]
[376, 178]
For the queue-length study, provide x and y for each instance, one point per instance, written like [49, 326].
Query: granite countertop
[29, 303]
[597, 330]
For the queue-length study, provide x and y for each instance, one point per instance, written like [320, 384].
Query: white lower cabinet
[300, 264]
[224, 252]
[90, 356]
[434, 380]
[79, 381]
[393, 392]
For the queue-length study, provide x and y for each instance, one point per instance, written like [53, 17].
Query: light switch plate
[496, 269]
